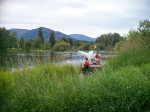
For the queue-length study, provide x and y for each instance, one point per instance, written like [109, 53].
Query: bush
[61, 46]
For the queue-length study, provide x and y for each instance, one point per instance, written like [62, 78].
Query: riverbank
[122, 85]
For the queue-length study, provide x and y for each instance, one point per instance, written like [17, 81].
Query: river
[20, 60]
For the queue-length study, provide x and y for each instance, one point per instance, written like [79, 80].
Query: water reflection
[20, 60]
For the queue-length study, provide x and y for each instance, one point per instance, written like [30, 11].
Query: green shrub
[134, 57]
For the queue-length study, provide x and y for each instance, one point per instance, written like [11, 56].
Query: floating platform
[94, 66]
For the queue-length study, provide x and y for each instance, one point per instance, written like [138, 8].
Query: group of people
[95, 60]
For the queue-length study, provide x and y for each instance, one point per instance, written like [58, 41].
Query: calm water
[20, 60]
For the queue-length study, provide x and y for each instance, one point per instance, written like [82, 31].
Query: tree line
[136, 37]
[9, 41]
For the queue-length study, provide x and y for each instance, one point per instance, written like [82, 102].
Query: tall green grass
[122, 85]
[134, 57]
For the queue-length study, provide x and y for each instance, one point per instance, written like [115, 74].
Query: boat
[94, 66]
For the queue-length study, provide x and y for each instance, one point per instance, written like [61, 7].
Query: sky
[89, 17]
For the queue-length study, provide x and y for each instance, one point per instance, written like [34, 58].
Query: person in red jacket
[97, 57]
[86, 62]
[86, 65]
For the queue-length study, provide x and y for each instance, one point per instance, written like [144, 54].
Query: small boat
[92, 61]
[91, 68]
[94, 66]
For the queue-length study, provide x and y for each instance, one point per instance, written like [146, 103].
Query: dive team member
[86, 65]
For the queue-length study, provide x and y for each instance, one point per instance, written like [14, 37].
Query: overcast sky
[88, 17]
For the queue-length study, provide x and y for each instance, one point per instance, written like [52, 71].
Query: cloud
[89, 17]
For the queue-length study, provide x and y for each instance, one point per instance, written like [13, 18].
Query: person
[86, 65]
[97, 57]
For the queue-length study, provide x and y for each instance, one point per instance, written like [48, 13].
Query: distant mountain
[19, 31]
[32, 34]
[82, 37]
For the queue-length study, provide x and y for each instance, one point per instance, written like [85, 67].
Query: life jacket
[97, 56]
[86, 62]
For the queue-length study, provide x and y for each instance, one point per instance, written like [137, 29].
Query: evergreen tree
[40, 34]
[4, 36]
[13, 40]
[21, 43]
[52, 38]
[70, 41]
[64, 39]
[28, 45]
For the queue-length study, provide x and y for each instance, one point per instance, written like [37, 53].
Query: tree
[86, 47]
[132, 34]
[109, 40]
[139, 38]
[100, 46]
[116, 38]
[4, 36]
[61, 46]
[28, 45]
[40, 34]
[38, 43]
[70, 41]
[77, 43]
[144, 28]
[46, 45]
[64, 39]
[21, 43]
[13, 40]
[52, 38]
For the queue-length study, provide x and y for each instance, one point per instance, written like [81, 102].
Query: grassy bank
[122, 85]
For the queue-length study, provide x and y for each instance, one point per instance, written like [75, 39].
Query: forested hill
[32, 34]
[82, 37]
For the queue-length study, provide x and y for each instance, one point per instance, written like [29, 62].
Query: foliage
[40, 34]
[132, 34]
[28, 45]
[70, 41]
[77, 43]
[100, 46]
[109, 40]
[61, 46]
[86, 47]
[144, 28]
[64, 39]
[4, 36]
[52, 38]
[47, 45]
[139, 38]
[13, 40]
[21, 43]
[38, 43]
